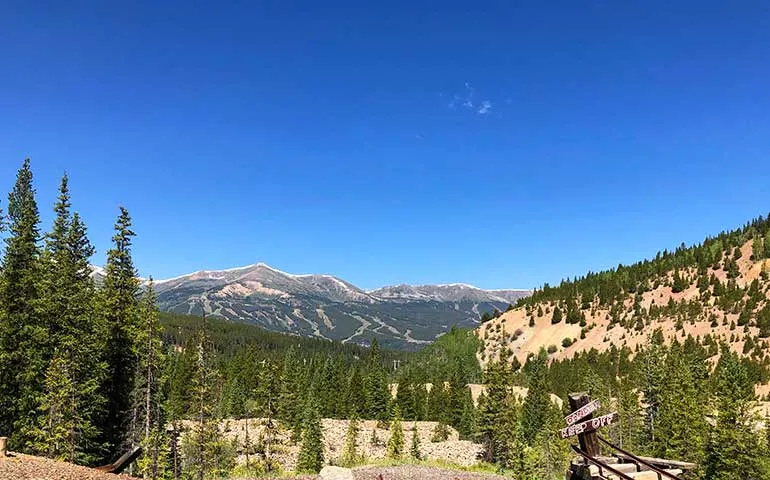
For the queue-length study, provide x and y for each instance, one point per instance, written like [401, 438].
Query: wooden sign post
[590, 425]
[588, 441]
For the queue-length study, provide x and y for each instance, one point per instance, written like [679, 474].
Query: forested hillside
[716, 291]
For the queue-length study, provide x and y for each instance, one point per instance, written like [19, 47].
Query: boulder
[336, 473]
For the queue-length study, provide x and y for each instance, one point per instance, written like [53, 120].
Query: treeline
[607, 287]
[229, 338]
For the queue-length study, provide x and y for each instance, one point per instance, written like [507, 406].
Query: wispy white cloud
[466, 101]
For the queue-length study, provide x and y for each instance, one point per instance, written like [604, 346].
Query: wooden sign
[582, 412]
[589, 425]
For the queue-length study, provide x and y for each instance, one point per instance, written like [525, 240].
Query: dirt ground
[26, 467]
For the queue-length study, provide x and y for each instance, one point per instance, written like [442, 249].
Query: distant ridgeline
[678, 269]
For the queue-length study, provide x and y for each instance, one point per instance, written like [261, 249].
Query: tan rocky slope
[527, 329]
[451, 451]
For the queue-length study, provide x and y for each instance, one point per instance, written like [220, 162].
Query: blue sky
[503, 144]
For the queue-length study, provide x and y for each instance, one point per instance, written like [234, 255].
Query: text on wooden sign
[588, 425]
[582, 412]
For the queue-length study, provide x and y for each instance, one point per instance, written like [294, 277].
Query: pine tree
[354, 394]
[553, 453]
[414, 450]
[629, 410]
[538, 402]
[311, 454]
[457, 389]
[438, 409]
[735, 449]
[376, 391]
[405, 396]
[155, 462]
[147, 390]
[75, 333]
[682, 427]
[292, 389]
[653, 370]
[350, 455]
[420, 400]
[679, 283]
[374, 440]
[54, 435]
[24, 340]
[120, 313]
[206, 453]
[467, 425]
[329, 388]
[266, 392]
[498, 414]
[396, 441]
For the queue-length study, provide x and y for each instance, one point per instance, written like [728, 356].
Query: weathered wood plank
[582, 412]
[588, 441]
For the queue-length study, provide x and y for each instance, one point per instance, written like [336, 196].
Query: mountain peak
[329, 307]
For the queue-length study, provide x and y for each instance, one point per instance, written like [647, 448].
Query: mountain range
[399, 316]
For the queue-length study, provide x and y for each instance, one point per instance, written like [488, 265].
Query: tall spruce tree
[736, 448]
[350, 455]
[376, 391]
[311, 454]
[653, 371]
[76, 337]
[119, 307]
[438, 408]
[551, 453]
[630, 412]
[457, 389]
[24, 340]
[355, 394]
[206, 452]
[149, 429]
[467, 423]
[292, 390]
[54, 436]
[534, 415]
[405, 394]
[498, 412]
[414, 449]
[682, 427]
[396, 440]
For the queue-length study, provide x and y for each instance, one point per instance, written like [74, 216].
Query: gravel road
[417, 472]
